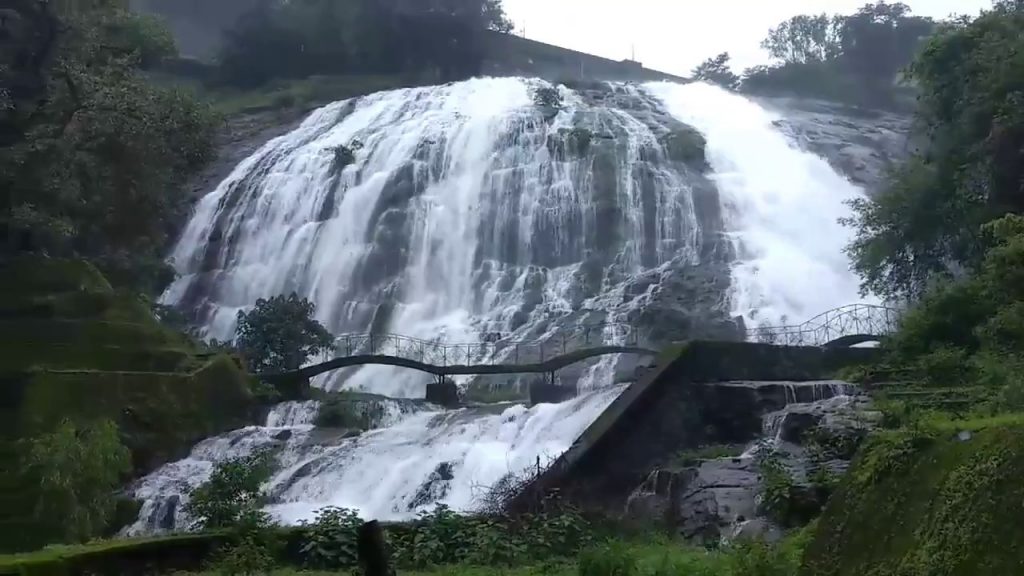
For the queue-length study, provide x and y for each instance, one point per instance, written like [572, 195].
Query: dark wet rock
[796, 424]
[163, 517]
[719, 498]
[435, 488]
[283, 435]
[757, 530]
[703, 502]
[862, 144]
[686, 145]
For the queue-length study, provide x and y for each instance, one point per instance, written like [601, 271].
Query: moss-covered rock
[944, 502]
[686, 145]
[72, 348]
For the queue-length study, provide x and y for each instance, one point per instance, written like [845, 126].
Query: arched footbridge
[545, 354]
[838, 328]
[550, 352]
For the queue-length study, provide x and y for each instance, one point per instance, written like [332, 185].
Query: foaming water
[782, 206]
[392, 473]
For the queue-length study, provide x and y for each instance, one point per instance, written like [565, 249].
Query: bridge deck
[552, 365]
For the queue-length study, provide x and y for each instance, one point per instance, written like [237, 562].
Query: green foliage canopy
[93, 157]
[927, 223]
[853, 58]
[718, 71]
[304, 37]
[280, 334]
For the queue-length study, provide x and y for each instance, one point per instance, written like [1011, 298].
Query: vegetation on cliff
[299, 39]
[856, 58]
[928, 224]
[81, 360]
[934, 493]
[92, 156]
[945, 233]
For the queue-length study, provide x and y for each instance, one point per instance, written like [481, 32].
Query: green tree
[233, 497]
[304, 37]
[77, 468]
[925, 225]
[879, 40]
[280, 334]
[718, 71]
[805, 38]
[93, 157]
[853, 58]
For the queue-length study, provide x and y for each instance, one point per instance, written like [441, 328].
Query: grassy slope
[929, 502]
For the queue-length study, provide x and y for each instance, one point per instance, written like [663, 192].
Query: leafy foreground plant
[78, 468]
[233, 499]
[331, 541]
[233, 496]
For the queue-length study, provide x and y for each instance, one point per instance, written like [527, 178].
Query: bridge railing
[846, 321]
[498, 351]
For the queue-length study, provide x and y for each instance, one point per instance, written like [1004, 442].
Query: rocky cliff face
[862, 144]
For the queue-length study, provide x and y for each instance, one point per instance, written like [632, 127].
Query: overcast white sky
[675, 35]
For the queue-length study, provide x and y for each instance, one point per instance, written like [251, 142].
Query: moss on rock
[947, 502]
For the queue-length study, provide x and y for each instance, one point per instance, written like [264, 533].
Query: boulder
[702, 502]
[757, 530]
[796, 424]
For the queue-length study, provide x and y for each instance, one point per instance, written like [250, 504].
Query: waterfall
[468, 209]
[782, 207]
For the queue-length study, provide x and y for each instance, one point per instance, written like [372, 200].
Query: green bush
[443, 537]
[578, 141]
[342, 411]
[249, 554]
[548, 97]
[612, 559]
[233, 496]
[331, 539]
[760, 559]
[77, 469]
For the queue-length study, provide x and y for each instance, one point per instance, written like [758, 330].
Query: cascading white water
[460, 211]
[782, 206]
[419, 460]
[468, 209]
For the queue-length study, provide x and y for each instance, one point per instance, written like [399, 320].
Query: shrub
[339, 411]
[331, 539]
[249, 554]
[760, 559]
[579, 140]
[442, 537]
[77, 469]
[233, 496]
[611, 559]
[548, 97]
